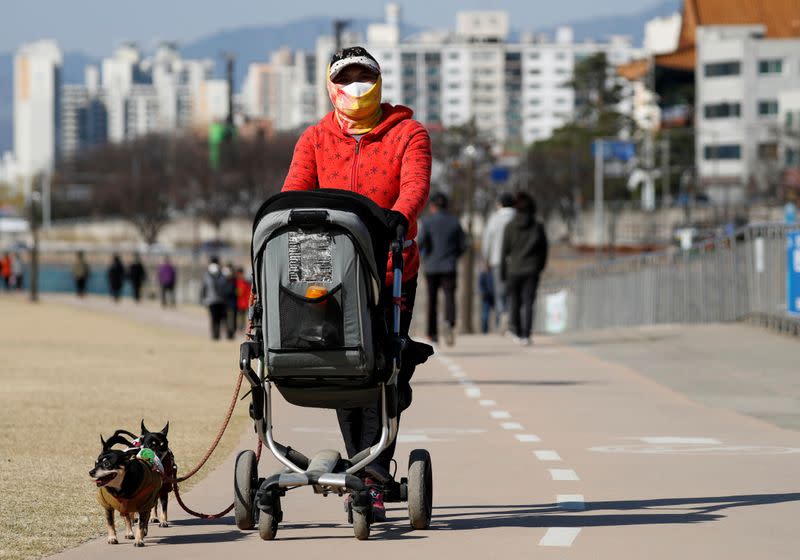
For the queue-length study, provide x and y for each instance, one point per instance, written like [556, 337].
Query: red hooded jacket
[391, 165]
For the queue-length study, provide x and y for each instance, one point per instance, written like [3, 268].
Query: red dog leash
[175, 479]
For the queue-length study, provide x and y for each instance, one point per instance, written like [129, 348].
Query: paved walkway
[551, 450]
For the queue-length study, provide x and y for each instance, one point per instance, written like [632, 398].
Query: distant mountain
[633, 25]
[255, 43]
[74, 65]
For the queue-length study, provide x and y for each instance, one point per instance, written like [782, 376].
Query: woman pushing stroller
[376, 150]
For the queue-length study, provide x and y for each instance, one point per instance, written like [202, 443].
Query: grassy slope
[68, 375]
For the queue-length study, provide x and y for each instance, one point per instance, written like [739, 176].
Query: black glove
[395, 219]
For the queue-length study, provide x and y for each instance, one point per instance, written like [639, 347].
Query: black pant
[361, 427]
[522, 295]
[446, 281]
[233, 319]
[219, 313]
[80, 285]
[137, 291]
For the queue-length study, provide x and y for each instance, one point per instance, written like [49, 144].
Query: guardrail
[725, 279]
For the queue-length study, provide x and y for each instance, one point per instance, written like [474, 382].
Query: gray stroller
[323, 337]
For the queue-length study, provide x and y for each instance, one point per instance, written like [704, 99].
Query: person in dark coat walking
[137, 275]
[116, 277]
[441, 243]
[524, 258]
[214, 295]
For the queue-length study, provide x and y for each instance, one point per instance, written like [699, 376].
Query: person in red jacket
[243, 290]
[377, 150]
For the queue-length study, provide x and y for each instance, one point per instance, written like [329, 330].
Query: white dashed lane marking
[559, 536]
[571, 502]
[563, 474]
[555, 536]
[547, 455]
[413, 438]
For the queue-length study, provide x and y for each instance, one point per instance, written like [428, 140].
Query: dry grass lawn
[69, 375]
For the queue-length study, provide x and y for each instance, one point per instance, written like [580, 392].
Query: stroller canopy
[369, 213]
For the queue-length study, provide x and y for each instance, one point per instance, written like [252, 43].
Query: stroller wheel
[267, 526]
[360, 525]
[245, 482]
[420, 489]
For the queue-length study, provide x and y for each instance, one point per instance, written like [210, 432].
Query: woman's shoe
[378, 507]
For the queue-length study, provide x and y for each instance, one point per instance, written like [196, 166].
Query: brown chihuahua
[126, 484]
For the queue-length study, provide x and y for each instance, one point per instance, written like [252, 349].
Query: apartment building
[37, 106]
[516, 90]
[84, 119]
[740, 75]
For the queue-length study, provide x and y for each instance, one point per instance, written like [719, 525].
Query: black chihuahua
[158, 442]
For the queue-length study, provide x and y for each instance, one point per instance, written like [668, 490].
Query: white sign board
[758, 247]
[555, 306]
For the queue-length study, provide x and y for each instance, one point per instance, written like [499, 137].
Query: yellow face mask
[356, 114]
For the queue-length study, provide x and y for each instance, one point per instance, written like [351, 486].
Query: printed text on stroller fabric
[310, 257]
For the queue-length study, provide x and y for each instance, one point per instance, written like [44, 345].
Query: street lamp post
[469, 154]
[599, 218]
[34, 196]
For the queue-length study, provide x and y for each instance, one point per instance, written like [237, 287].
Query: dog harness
[143, 499]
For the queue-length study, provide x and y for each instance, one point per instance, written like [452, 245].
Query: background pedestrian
[441, 243]
[5, 270]
[16, 271]
[524, 258]
[116, 277]
[137, 275]
[243, 289]
[488, 298]
[166, 281]
[214, 296]
[230, 299]
[491, 249]
[80, 273]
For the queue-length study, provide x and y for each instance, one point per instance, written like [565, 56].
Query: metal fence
[726, 279]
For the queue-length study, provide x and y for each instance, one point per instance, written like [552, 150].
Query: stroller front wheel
[244, 486]
[360, 525]
[267, 526]
[420, 489]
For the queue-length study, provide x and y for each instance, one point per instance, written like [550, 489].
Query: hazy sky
[96, 26]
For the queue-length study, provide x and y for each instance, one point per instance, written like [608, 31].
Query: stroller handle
[397, 268]
[400, 234]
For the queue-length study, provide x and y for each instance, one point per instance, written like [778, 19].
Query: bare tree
[149, 180]
[133, 180]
